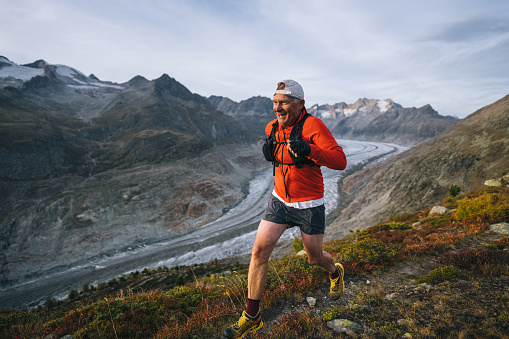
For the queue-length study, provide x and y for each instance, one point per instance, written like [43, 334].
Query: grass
[464, 293]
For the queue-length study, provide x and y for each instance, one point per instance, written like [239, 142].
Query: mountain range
[366, 119]
[89, 167]
[468, 154]
[384, 121]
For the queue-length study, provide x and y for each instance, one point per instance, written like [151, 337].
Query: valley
[230, 235]
[98, 179]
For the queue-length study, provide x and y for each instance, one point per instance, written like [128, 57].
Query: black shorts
[310, 220]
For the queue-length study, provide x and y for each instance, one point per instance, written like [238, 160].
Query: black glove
[268, 150]
[300, 147]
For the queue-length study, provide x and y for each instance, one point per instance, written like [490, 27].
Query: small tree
[50, 303]
[73, 294]
[454, 190]
[85, 288]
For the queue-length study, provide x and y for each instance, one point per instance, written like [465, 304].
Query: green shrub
[73, 294]
[399, 226]
[437, 221]
[402, 217]
[85, 288]
[454, 190]
[297, 265]
[441, 274]
[113, 282]
[369, 250]
[333, 314]
[486, 204]
[50, 303]
[297, 245]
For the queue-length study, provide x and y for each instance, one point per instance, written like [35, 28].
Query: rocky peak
[4, 62]
[166, 85]
[254, 113]
[223, 104]
[138, 81]
[363, 102]
[37, 64]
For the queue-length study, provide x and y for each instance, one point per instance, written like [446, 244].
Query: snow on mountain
[364, 110]
[383, 105]
[12, 74]
[10, 71]
[83, 82]
[325, 114]
[349, 111]
[69, 72]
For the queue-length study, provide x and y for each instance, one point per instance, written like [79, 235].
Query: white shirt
[301, 205]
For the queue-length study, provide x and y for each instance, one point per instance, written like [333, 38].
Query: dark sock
[335, 274]
[253, 306]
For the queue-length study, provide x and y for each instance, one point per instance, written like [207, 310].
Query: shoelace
[237, 326]
[335, 284]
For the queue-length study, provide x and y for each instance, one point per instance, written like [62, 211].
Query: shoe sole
[250, 331]
[253, 330]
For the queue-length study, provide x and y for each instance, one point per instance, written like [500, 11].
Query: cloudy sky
[451, 54]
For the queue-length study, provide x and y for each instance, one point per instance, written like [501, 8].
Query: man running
[297, 145]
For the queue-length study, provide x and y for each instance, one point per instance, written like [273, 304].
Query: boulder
[493, 183]
[438, 210]
[501, 228]
[301, 253]
[344, 325]
[311, 301]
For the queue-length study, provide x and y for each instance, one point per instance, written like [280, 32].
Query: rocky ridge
[466, 155]
[366, 119]
[255, 112]
[90, 168]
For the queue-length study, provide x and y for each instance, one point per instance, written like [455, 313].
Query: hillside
[415, 275]
[254, 113]
[89, 168]
[475, 150]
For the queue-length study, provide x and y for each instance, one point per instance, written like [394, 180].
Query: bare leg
[266, 239]
[313, 245]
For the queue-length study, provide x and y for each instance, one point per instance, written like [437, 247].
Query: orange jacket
[304, 184]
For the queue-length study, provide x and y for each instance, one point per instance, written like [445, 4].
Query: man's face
[287, 109]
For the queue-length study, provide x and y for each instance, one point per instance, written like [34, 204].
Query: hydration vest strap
[296, 133]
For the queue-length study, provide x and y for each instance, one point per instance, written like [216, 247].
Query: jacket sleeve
[325, 151]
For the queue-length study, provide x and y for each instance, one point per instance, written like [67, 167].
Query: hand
[268, 150]
[298, 148]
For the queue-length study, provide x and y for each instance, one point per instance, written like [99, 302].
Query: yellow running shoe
[337, 286]
[244, 326]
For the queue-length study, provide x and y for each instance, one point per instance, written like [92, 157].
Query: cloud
[470, 30]
[417, 53]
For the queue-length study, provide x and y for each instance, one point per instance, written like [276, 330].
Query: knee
[260, 253]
